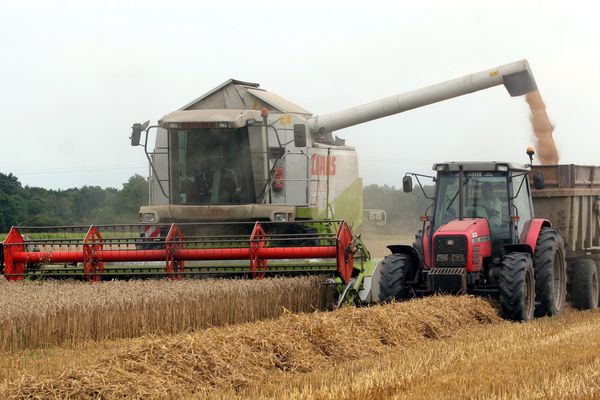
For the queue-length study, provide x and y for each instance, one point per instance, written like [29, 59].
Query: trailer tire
[517, 287]
[550, 273]
[584, 284]
[392, 284]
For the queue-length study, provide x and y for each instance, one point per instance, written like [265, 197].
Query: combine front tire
[550, 273]
[394, 271]
[517, 287]
[584, 284]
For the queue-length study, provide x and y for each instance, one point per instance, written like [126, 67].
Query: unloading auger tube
[94, 252]
[516, 77]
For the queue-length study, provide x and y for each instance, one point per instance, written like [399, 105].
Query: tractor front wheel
[584, 284]
[394, 271]
[517, 287]
[550, 273]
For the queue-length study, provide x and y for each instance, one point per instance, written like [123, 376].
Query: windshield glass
[210, 166]
[485, 196]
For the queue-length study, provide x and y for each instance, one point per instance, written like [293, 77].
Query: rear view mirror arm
[160, 185]
[419, 182]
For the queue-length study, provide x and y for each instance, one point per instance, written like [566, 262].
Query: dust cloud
[542, 129]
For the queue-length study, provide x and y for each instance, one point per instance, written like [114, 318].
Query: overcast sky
[75, 75]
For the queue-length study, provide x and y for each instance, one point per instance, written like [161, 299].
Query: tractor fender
[531, 231]
[408, 250]
[518, 248]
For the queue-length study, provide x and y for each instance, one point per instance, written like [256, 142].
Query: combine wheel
[394, 271]
[550, 273]
[584, 284]
[517, 287]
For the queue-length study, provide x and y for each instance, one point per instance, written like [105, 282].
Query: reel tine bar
[258, 239]
[174, 242]
[92, 255]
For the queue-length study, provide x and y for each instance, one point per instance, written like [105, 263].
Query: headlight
[458, 257]
[280, 217]
[442, 257]
[148, 217]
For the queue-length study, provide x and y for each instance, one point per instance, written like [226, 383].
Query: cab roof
[482, 166]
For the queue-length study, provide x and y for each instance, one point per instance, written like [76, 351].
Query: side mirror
[538, 181]
[136, 132]
[407, 185]
[300, 135]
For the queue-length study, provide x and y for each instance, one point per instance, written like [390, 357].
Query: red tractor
[480, 236]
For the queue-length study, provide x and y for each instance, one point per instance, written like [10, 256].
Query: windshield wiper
[456, 194]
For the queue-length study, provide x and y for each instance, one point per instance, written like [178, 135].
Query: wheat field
[241, 339]
[239, 356]
[47, 313]
[437, 347]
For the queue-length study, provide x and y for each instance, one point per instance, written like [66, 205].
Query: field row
[231, 359]
[47, 313]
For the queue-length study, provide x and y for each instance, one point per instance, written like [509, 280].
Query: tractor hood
[472, 227]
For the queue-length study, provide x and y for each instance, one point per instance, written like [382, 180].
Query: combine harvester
[481, 236]
[245, 183]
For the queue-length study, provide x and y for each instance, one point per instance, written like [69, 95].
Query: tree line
[402, 209]
[35, 206]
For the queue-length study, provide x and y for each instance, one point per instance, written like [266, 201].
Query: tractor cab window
[485, 196]
[521, 202]
[210, 166]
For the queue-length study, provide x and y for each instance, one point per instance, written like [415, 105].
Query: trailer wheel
[394, 271]
[550, 273]
[517, 287]
[584, 284]
[598, 274]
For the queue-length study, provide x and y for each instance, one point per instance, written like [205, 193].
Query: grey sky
[75, 75]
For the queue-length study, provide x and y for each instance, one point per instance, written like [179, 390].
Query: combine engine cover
[459, 248]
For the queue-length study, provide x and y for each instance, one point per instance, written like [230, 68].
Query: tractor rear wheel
[394, 271]
[584, 284]
[517, 287]
[550, 273]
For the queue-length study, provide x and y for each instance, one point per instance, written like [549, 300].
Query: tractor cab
[495, 192]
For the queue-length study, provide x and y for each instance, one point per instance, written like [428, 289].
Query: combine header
[110, 251]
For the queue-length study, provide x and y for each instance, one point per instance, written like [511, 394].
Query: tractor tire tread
[392, 285]
[549, 242]
[513, 285]
[583, 273]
